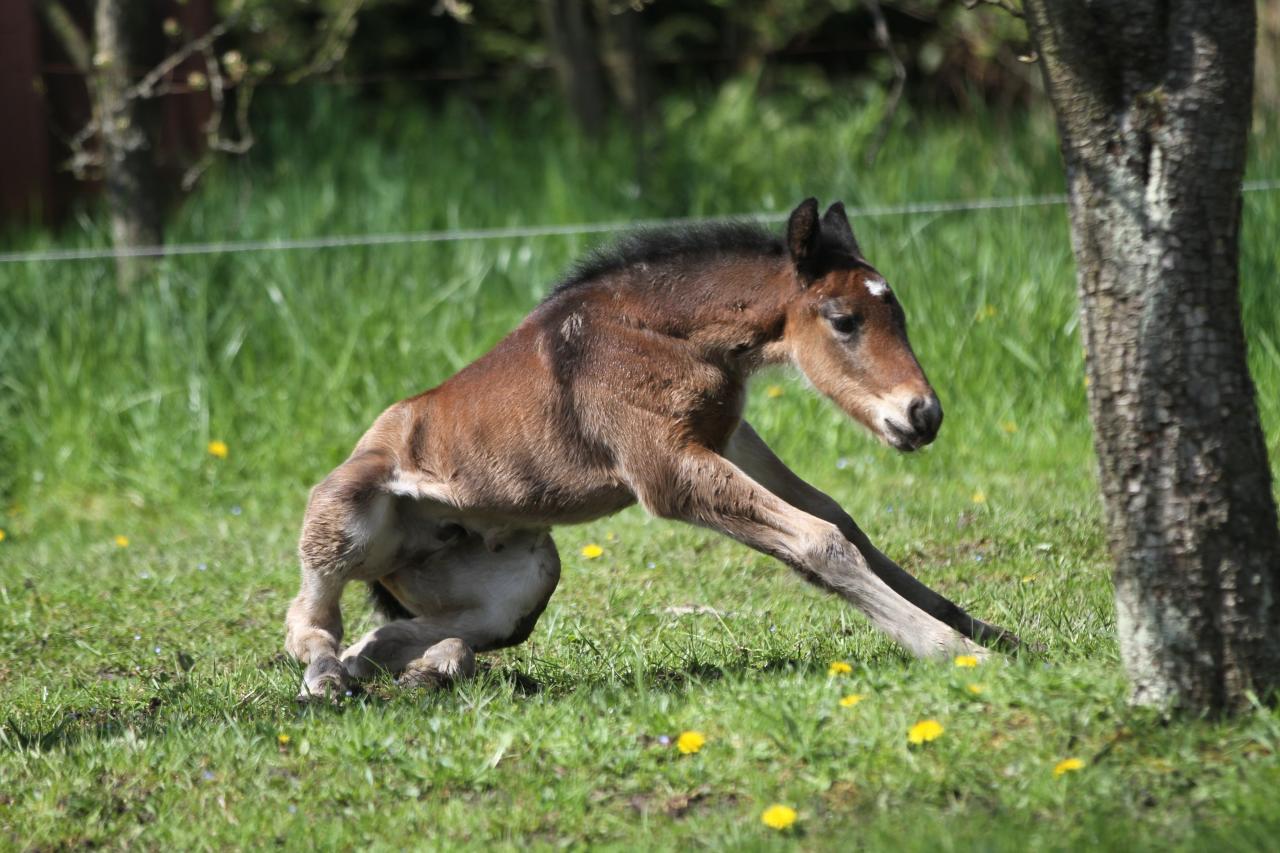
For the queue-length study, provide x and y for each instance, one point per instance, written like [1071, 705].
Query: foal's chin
[901, 438]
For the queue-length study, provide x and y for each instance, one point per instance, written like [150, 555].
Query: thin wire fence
[339, 241]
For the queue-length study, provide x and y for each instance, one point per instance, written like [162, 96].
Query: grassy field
[143, 579]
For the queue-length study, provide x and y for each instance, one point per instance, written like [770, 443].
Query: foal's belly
[488, 595]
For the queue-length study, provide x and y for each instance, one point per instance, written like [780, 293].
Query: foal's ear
[836, 225]
[804, 234]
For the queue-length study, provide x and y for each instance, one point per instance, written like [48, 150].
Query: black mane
[662, 245]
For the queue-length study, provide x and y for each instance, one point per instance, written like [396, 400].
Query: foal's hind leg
[413, 650]
[344, 515]
[469, 599]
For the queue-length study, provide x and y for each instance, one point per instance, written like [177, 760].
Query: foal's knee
[823, 556]
[825, 544]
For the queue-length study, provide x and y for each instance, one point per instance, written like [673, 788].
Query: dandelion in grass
[218, 449]
[2, 534]
[979, 497]
[1009, 427]
[690, 742]
[976, 689]
[838, 667]
[850, 700]
[1067, 765]
[773, 392]
[283, 739]
[924, 731]
[121, 541]
[966, 661]
[1028, 578]
[591, 551]
[986, 312]
[778, 816]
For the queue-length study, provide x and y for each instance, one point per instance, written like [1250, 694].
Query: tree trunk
[573, 53]
[1153, 107]
[125, 47]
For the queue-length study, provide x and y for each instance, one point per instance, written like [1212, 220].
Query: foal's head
[848, 334]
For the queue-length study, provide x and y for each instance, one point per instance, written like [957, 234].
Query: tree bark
[1153, 107]
[124, 41]
[573, 54]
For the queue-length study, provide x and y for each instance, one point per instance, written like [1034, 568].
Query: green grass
[144, 687]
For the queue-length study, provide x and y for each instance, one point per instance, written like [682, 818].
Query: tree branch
[899, 80]
[341, 27]
[145, 88]
[1006, 5]
[68, 34]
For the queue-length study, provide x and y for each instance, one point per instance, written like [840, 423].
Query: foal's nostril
[925, 414]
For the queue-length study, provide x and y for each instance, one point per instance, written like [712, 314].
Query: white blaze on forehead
[877, 286]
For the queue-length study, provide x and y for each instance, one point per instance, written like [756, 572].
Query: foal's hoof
[325, 679]
[445, 662]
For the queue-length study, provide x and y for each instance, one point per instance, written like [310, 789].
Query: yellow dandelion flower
[690, 742]
[778, 816]
[1086, 382]
[1028, 578]
[773, 391]
[924, 731]
[592, 551]
[986, 312]
[218, 449]
[979, 497]
[1067, 765]
[976, 689]
[1009, 427]
[283, 739]
[121, 541]
[850, 700]
[966, 661]
[2, 534]
[839, 667]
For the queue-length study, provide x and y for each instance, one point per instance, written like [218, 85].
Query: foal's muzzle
[924, 416]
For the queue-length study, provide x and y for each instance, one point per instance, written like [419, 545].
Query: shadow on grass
[176, 702]
[152, 717]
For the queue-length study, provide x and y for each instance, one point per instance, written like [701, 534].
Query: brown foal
[626, 384]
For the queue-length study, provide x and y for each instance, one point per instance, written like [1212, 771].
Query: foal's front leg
[704, 488]
[749, 452]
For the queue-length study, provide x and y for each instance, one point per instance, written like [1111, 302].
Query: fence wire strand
[339, 241]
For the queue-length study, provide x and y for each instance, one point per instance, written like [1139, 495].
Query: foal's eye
[846, 324]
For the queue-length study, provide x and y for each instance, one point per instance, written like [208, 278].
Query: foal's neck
[733, 308]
